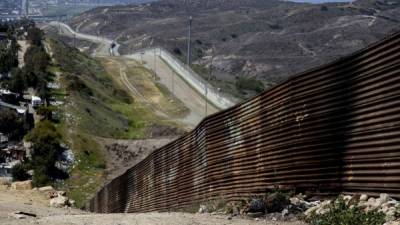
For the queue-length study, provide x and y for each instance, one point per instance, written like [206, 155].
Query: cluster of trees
[46, 148]
[9, 47]
[45, 138]
[8, 53]
[12, 124]
[34, 74]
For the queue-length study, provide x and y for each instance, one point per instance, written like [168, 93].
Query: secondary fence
[213, 95]
[333, 129]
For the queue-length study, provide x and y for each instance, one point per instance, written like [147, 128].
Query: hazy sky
[320, 1]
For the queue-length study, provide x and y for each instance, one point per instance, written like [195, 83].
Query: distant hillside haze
[265, 40]
[319, 1]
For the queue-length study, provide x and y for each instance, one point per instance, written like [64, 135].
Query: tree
[8, 55]
[36, 59]
[11, 124]
[19, 172]
[17, 82]
[46, 112]
[45, 150]
[35, 36]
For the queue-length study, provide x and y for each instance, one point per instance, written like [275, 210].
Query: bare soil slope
[269, 40]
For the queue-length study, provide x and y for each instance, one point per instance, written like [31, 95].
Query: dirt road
[193, 100]
[104, 43]
[176, 85]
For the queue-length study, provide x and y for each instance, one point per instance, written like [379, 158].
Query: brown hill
[263, 39]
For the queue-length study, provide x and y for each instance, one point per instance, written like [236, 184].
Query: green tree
[36, 59]
[20, 172]
[11, 124]
[35, 36]
[46, 112]
[17, 82]
[46, 148]
[8, 55]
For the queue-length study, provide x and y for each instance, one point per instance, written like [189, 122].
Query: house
[9, 157]
[3, 36]
[36, 101]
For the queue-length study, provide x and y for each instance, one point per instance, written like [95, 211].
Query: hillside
[98, 112]
[265, 40]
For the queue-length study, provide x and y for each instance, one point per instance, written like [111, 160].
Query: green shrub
[252, 84]
[342, 214]
[46, 148]
[19, 172]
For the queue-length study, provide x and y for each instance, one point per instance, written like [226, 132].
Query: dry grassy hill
[266, 40]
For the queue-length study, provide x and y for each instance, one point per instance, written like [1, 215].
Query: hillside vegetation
[257, 39]
[96, 106]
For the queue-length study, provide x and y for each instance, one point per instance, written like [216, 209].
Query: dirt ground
[34, 203]
[123, 154]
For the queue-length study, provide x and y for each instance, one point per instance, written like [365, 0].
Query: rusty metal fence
[332, 129]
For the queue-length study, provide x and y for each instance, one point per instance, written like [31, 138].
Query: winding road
[193, 100]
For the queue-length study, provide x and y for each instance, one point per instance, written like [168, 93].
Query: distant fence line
[332, 129]
[214, 96]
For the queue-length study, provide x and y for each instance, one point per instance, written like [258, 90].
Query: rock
[346, 198]
[363, 198]
[203, 209]
[284, 213]
[256, 205]
[383, 198]
[52, 194]
[276, 202]
[71, 202]
[255, 214]
[3, 187]
[4, 181]
[46, 188]
[61, 193]
[354, 200]
[295, 201]
[21, 185]
[59, 202]
[311, 210]
[397, 222]
[22, 215]
[324, 207]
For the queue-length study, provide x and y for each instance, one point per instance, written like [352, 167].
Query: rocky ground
[21, 207]
[123, 154]
[20, 204]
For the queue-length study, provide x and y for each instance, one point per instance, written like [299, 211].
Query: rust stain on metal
[332, 129]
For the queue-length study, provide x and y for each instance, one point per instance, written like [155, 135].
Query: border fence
[332, 129]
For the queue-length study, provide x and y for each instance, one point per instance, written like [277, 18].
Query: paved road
[105, 44]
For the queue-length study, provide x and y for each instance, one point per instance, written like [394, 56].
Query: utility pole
[209, 78]
[74, 40]
[172, 84]
[155, 63]
[189, 52]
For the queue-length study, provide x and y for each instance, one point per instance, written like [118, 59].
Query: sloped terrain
[268, 40]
